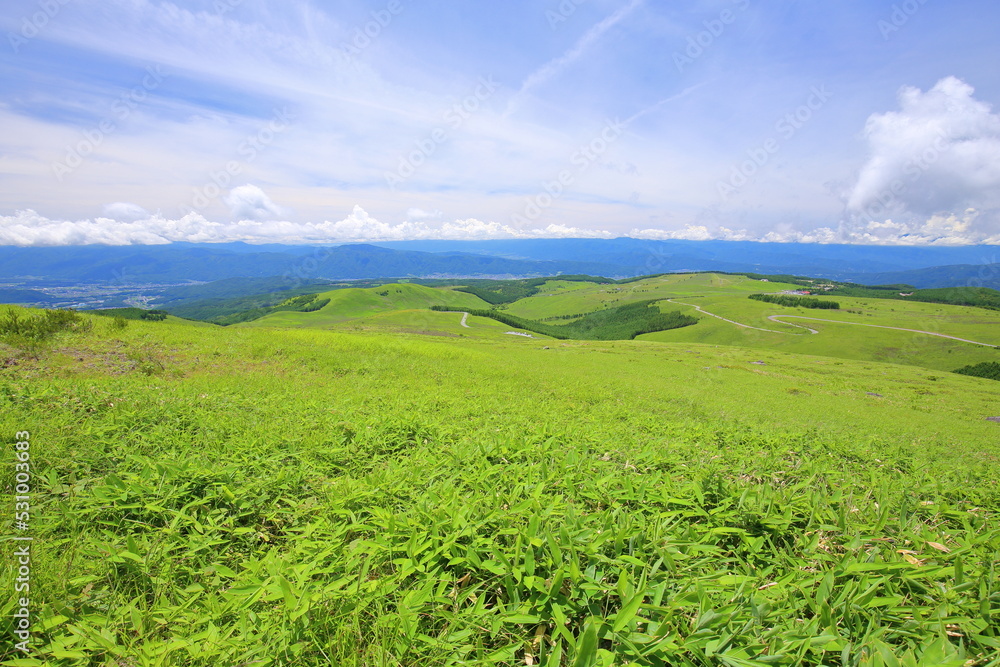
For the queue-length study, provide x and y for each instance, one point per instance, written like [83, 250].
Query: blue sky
[143, 121]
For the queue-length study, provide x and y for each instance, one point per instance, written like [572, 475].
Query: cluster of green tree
[988, 369]
[978, 297]
[796, 301]
[556, 318]
[621, 323]
[498, 292]
[304, 303]
[771, 277]
[132, 314]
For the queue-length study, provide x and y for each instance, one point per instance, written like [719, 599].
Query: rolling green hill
[374, 482]
[261, 495]
[941, 337]
[357, 303]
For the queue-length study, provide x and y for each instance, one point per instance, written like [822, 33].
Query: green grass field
[404, 309]
[374, 484]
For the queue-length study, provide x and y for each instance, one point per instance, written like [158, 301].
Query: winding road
[465, 316]
[774, 318]
[745, 326]
[779, 318]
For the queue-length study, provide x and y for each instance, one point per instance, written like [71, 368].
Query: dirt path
[779, 318]
[877, 326]
[465, 316]
[776, 318]
[745, 326]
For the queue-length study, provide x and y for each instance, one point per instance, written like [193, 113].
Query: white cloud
[248, 202]
[690, 233]
[28, 228]
[818, 235]
[694, 233]
[258, 222]
[933, 173]
[125, 212]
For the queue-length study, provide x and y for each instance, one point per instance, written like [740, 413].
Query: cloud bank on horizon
[155, 121]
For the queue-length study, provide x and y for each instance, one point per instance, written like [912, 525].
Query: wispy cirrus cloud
[556, 66]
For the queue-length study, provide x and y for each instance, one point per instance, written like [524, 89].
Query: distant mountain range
[180, 262]
[174, 264]
[639, 257]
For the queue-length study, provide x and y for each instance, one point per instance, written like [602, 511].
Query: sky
[149, 122]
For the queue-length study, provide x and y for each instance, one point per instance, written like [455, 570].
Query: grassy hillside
[839, 334]
[356, 303]
[557, 298]
[252, 495]
[864, 329]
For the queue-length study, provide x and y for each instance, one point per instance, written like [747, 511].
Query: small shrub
[32, 333]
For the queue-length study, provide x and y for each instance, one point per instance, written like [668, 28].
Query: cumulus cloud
[689, 233]
[29, 228]
[128, 224]
[933, 171]
[248, 202]
[693, 233]
[125, 212]
[818, 235]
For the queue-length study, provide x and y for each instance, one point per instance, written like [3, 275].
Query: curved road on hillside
[778, 318]
[775, 318]
[877, 326]
[720, 317]
[465, 317]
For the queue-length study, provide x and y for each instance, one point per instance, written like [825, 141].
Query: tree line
[796, 301]
[621, 323]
